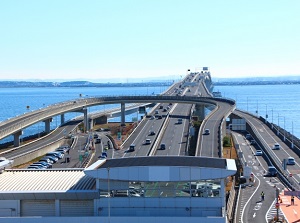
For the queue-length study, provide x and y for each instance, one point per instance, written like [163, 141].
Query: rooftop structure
[154, 189]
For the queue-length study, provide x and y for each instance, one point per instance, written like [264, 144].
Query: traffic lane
[269, 138]
[181, 131]
[139, 140]
[173, 139]
[55, 135]
[251, 206]
[208, 142]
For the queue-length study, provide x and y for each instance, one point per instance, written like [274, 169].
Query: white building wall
[146, 207]
[9, 208]
[114, 220]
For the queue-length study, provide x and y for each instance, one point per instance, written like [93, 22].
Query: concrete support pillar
[85, 120]
[91, 124]
[17, 138]
[62, 119]
[47, 125]
[122, 114]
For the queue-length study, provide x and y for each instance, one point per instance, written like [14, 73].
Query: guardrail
[20, 122]
[270, 158]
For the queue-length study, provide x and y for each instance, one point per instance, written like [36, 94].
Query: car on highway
[290, 161]
[206, 132]
[152, 117]
[179, 121]
[252, 142]
[151, 133]
[276, 146]
[147, 141]
[162, 146]
[258, 153]
[131, 148]
[272, 172]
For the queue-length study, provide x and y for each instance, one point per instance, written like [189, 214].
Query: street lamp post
[256, 107]
[108, 187]
[272, 118]
[266, 120]
[284, 128]
[278, 125]
[292, 135]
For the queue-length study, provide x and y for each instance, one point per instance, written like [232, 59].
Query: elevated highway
[15, 125]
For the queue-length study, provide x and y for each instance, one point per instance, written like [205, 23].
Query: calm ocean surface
[280, 102]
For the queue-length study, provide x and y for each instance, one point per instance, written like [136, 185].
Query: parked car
[65, 148]
[40, 166]
[46, 159]
[57, 154]
[48, 165]
[34, 167]
[54, 159]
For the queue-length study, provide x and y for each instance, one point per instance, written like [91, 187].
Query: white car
[276, 146]
[258, 153]
[290, 161]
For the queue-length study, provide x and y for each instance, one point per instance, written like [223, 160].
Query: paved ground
[291, 212]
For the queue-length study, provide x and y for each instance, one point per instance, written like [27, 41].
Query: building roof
[45, 181]
[162, 168]
[189, 161]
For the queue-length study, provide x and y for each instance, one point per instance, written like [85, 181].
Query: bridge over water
[15, 125]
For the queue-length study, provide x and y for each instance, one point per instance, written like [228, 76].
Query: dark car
[152, 133]
[162, 146]
[131, 148]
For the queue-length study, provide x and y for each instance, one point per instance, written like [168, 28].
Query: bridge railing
[20, 122]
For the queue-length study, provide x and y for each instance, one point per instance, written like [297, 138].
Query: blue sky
[93, 40]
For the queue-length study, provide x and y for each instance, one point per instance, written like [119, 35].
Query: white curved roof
[16, 183]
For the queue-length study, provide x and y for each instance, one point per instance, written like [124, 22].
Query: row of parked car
[50, 158]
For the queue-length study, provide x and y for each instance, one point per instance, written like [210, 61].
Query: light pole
[292, 135]
[284, 128]
[256, 107]
[108, 194]
[278, 125]
[272, 119]
[247, 103]
[266, 120]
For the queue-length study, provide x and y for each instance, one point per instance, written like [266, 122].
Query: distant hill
[256, 80]
[10, 84]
